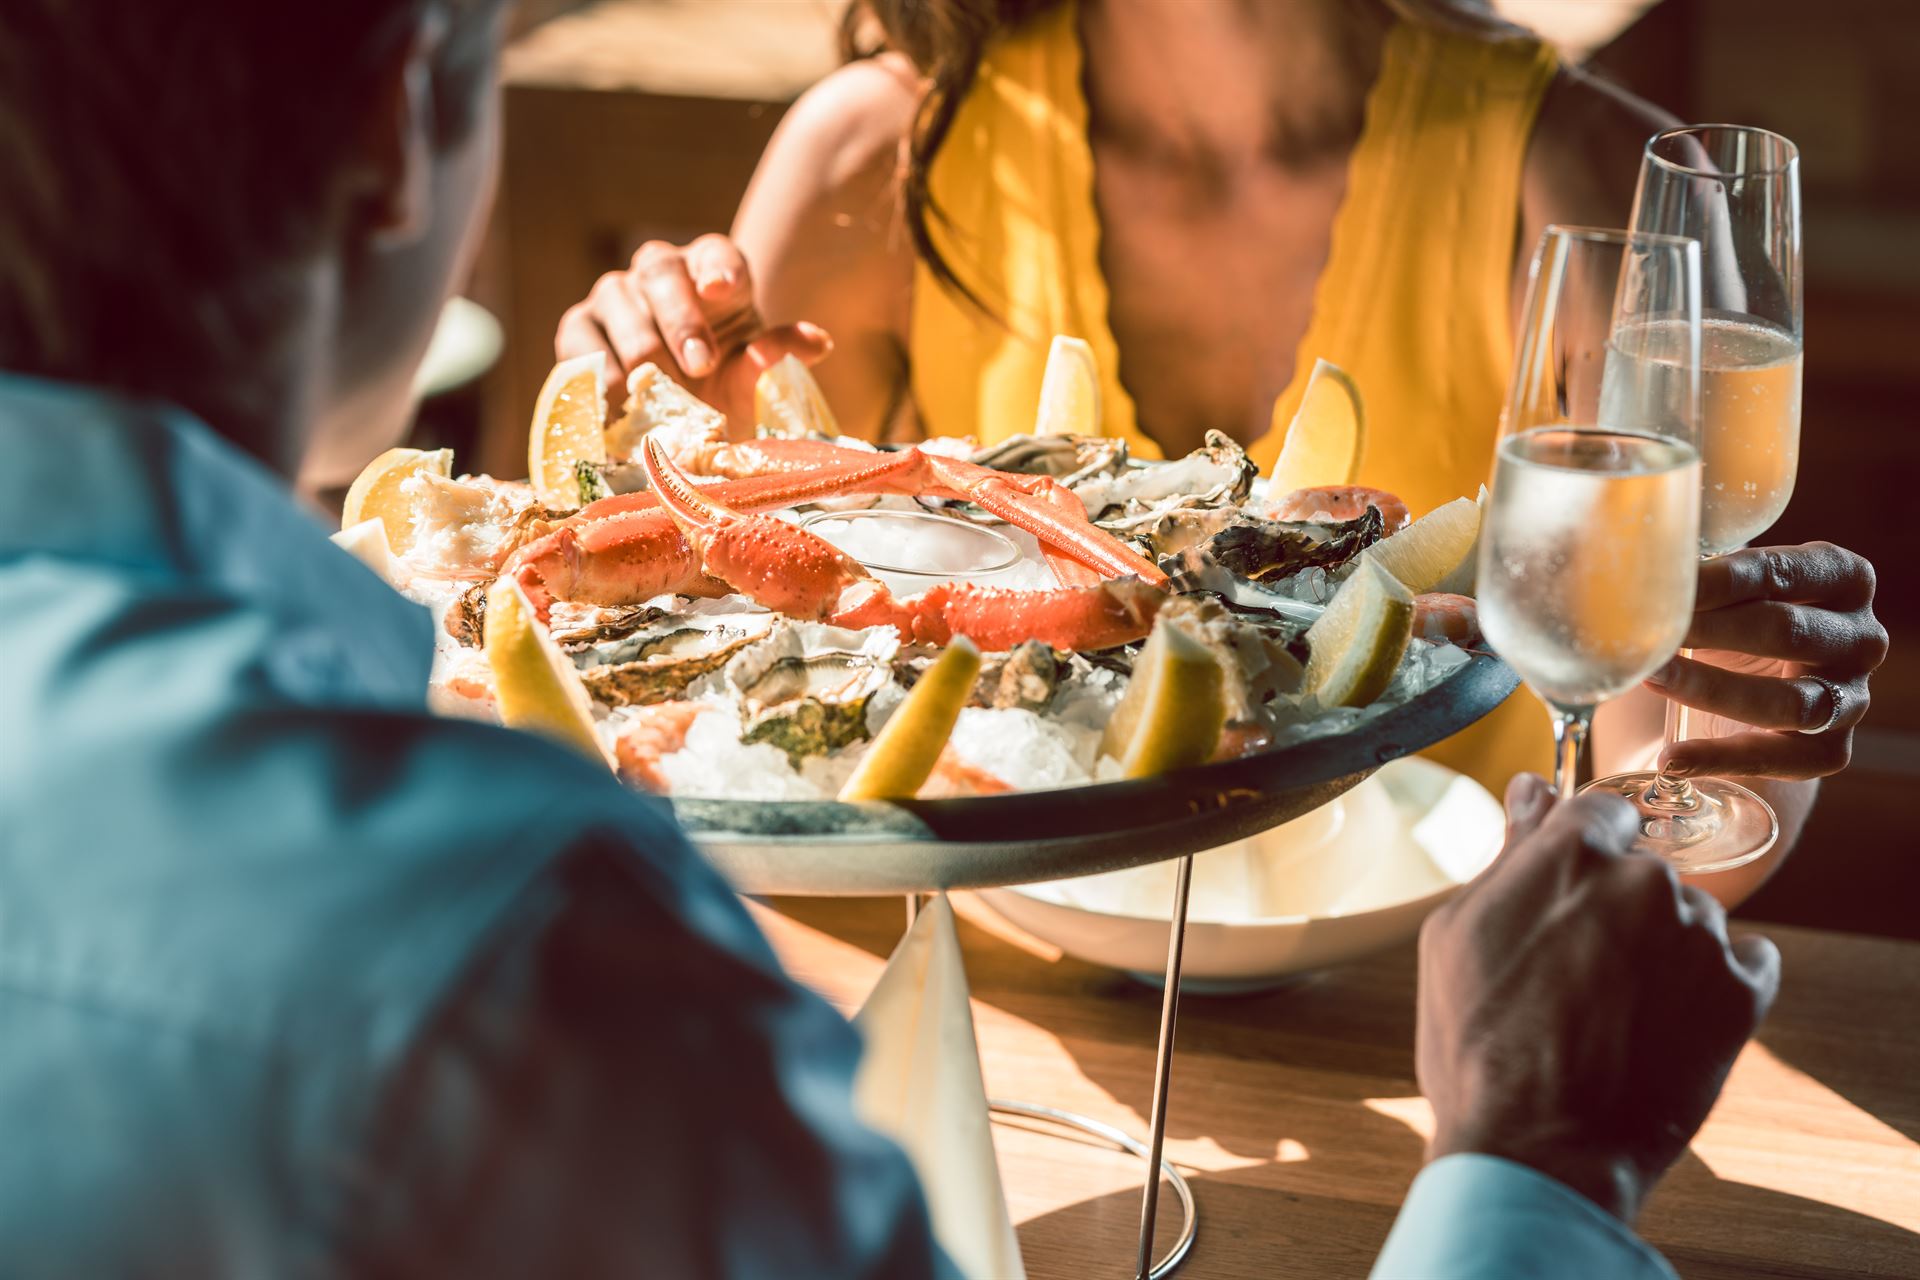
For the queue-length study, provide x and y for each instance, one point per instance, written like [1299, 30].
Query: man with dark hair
[297, 980]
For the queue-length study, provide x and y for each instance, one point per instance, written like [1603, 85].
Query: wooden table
[1296, 1119]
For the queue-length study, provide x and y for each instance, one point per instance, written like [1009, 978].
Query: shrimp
[953, 776]
[649, 733]
[1445, 618]
[1334, 503]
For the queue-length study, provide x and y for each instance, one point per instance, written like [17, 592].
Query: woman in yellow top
[1212, 193]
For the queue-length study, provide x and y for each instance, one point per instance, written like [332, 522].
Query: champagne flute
[1587, 567]
[1737, 191]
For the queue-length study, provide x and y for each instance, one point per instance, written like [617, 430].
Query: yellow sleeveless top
[1414, 302]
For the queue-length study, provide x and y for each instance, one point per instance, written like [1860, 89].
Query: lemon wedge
[1327, 437]
[568, 422]
[1464, 578]
[788, 402]
[1433, 548]
[1069, 391]
[536, 685]
[375, 494]
[1174, 708]
[367, 542]
[904, 752]
[1357, 644]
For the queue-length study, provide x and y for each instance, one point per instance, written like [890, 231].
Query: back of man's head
[171, 173]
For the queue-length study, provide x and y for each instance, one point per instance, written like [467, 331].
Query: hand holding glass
[1587, 558]
[1736, 190]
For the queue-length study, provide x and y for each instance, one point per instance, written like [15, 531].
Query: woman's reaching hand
[691, 311]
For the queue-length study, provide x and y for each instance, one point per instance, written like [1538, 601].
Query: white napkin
[919, 1083]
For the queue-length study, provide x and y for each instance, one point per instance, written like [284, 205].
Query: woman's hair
[946, 41]
[168, 166]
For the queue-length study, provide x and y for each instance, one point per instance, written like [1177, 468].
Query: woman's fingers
[1803, 633]
[720, 275]
[1761, 754]
[1813, 573]
[1796, 703]
[580, 334]
[808, 343]
[660, 270]
[625, 322]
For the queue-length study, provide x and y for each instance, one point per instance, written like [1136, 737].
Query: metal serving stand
[911, 848]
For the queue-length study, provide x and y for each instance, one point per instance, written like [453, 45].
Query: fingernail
[1664, 676]
[1678, 769]
[694, 356]
[717, 283]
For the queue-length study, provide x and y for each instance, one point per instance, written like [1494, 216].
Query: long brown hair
[946, 41]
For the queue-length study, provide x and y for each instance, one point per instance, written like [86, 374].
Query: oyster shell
[624, 666]
[1163, 533]
[608, 625]
[804, 687]
[1069, 459]
[466, 617]
[1025, 677]
[1254, 557]
[1256, 656]
[1219, 473]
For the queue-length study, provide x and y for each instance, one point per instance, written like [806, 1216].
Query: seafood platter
[854, 669]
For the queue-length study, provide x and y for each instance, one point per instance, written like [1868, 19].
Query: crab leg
[777, 564]
[625, 548]
[1040, 505]
[788, 569]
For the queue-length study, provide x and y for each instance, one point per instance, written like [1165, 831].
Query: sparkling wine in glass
[1587, 559]
[1737, 191]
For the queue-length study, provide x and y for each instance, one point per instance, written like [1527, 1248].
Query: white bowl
[1351, 879]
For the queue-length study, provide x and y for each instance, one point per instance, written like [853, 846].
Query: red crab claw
[795, 572]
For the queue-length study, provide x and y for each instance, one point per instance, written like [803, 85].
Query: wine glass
[1737, 191]
[1587, 557]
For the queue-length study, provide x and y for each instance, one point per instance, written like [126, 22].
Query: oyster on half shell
[1157, 534]
[1071, 460]
[651, 664]
[1252, 558]
[1217, 474]
[1025, 677]
[1255, 656]
[804, 687]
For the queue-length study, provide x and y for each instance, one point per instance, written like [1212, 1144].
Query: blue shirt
[1474, 1217]
[297, 980]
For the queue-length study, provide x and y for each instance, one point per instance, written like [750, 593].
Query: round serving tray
[826, 847]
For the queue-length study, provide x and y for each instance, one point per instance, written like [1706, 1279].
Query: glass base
[1698, 825]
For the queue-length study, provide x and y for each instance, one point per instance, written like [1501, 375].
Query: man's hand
[1787, 639]
[1579, 1007]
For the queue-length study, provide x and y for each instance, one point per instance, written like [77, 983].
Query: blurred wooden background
[633, 119]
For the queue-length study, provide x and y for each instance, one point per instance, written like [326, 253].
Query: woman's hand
[690, 310]
[1786, 639]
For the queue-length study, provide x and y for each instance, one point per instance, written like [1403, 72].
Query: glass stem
[1665, 792]
[1570, 725]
